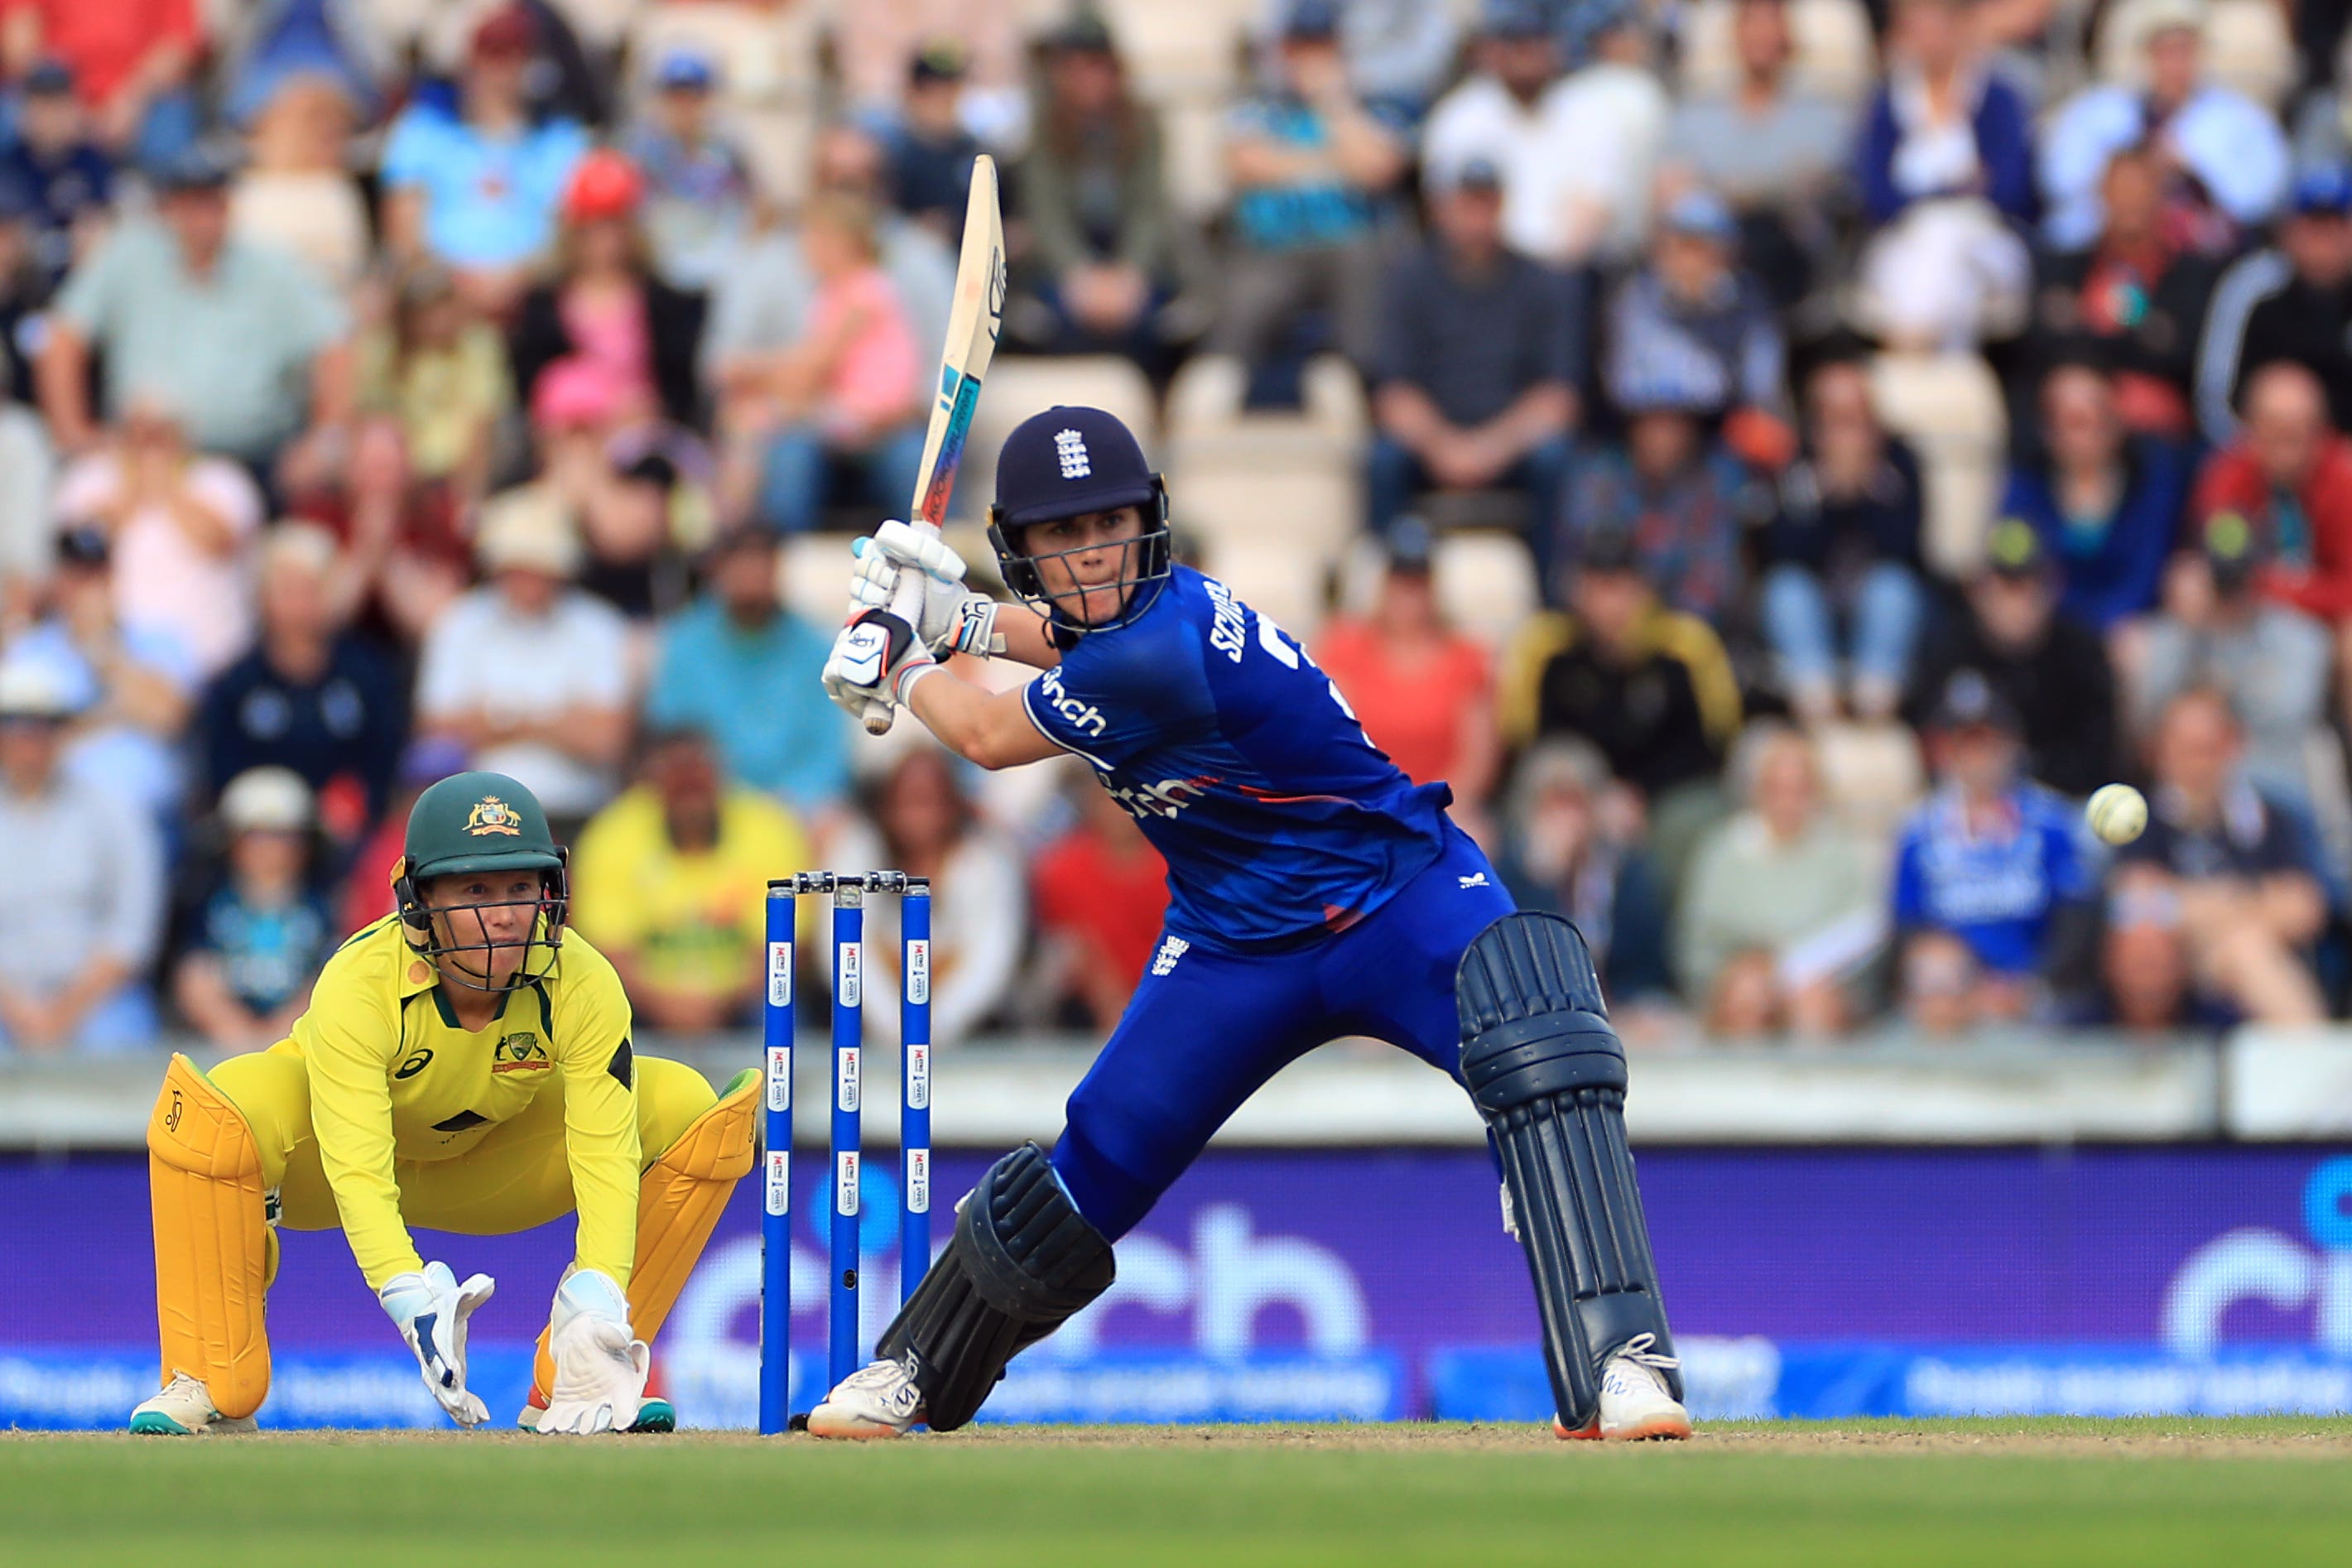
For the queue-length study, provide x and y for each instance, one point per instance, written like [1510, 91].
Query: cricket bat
[974, 321]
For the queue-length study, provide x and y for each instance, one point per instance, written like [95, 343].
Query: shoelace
[1637, 1351]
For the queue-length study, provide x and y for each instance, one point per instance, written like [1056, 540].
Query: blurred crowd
[1789, 452]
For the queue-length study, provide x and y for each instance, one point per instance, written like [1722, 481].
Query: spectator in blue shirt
[2106, 505]
[1310, 164]
[253, 939]
[1991, 888]
[930, 151]
[478, 190]
[698, 202]
[1481, 354]
[734, 666]
[59, 170]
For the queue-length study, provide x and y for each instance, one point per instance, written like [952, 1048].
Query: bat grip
[906, 603]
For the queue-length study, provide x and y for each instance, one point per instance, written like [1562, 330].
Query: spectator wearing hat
[1842, 555]
[256, 926]
[478, 190]
[2235, 876]
[930, 151]
[128, 686]
[1566, 851]
[2224, 156]
[2138, 294]
[1691, 330]
[133, 62]
[1094, 190]
[527, 672]
[1607, 122]
[332, 44]
[309, 699]
[243, 341]
[698, 205]
[1774, 150]
[1783, 907]
[1649, 685]
[180, 527]
[670, 881]
[2291, 300]
[1945, 170]
[2219, 631]
[1481, 352]
[732, 665]
[843, 402]
[2107, 504]
[81, 894]
[2053, 672]
[1425, 691]
[604, 342]
[2289, 476]
[1311, 167]
[63, 175]
[1992, 884]
[1496, 114]
[1672, 497]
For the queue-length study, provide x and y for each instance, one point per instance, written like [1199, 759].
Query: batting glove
[876, 657]
[954, 619]
[600, 1363]
[431, 1308]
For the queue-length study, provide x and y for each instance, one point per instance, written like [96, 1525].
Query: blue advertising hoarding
[1378, 1284]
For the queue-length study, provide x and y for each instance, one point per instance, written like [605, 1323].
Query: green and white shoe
[653, 1415]
[185, 1409]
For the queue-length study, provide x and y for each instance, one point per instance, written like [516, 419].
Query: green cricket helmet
[481, 822]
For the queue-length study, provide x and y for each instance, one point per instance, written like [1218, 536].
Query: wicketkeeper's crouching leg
[679, 1199]
[1022, 1263]
[214, 1254]
[1547, 1073]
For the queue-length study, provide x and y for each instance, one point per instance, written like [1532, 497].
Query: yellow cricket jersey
[393, 1076]
[696, 922]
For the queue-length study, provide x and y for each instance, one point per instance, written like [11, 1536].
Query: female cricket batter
[1315, 892]
[464, 1065]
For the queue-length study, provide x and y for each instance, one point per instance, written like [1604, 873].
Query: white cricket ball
[2118, 813]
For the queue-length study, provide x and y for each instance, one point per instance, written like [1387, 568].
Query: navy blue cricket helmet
[1065, 462]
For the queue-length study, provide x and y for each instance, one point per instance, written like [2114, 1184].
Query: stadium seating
[1949, 408]
[2246, 45]
[1834, 54]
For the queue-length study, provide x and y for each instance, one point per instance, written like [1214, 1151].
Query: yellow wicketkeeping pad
[211, 1241]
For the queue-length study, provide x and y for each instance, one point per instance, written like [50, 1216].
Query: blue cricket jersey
[1996, 891]
[1244, 767]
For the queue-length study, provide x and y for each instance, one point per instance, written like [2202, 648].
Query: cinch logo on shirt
[519, 1053]
[1084, 716]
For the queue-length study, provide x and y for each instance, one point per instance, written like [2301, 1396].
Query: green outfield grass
[1982, 1495]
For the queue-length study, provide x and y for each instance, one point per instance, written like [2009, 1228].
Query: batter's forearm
[989, 728]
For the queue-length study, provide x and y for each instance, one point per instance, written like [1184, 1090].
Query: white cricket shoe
[878, 1400]
[1635, 1403]
[185, 1409]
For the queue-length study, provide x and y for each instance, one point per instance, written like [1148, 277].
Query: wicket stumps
[780, 1015]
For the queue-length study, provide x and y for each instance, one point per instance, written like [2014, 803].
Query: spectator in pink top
[179, 528]
[843, 402]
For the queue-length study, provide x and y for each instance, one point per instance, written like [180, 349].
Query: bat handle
[906, 603]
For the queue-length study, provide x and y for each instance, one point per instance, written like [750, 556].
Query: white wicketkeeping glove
[954, 618]
[431, 1308]
[600, 1364]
